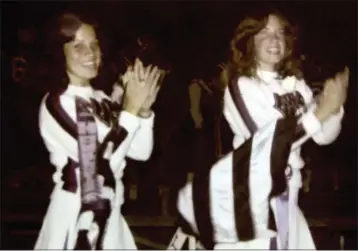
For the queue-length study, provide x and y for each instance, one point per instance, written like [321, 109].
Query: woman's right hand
[136, 89]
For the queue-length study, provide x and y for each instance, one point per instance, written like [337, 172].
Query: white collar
[267, 76]
[81, 91]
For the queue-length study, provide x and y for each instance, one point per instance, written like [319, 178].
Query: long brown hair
[242, 49]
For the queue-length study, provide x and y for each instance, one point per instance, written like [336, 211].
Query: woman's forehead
[85, 32]
[274, 22]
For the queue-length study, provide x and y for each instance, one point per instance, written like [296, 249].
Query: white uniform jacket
[59, 230]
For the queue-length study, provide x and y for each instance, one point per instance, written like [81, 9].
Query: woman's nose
[275, 37]
[88, 51]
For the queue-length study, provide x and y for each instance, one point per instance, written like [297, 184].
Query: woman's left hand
[151, 76]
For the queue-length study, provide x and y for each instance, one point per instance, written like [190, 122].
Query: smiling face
[83, 55]
[270, 44]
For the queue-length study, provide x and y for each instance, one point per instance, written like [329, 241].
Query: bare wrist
[321, 114]
[131, 109]
[144, 113]
[336, 111]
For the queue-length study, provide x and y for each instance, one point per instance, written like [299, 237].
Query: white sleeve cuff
[310, 123]
[129, 121]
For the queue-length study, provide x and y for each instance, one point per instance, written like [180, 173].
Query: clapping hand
[151, 75]
[141, 84]
[334, 95]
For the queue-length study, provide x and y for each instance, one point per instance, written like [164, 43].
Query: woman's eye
[281, 33]
[78, 46]
[264, 31]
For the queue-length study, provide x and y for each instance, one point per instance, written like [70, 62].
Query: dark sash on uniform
[288, 104]
[282, 141]
[91, 162]
[247, 231]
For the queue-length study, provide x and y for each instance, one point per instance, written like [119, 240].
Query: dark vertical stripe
[281, 148]
[69, 176]
[101, 219]
[56, 110]
[107, 110]
[299, 132]
[105, 170]
[82, 242]
[271, 220]
[273, 244]
[281, 145]
[241, 170]
[202, 211]
[234, 89]
[243, 219]
[278, 102]
[97, 109]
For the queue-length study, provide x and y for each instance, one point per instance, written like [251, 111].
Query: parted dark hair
[61, 30]
[242, 49]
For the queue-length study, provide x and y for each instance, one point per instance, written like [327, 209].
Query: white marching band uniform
[60, 226]
[258, 97]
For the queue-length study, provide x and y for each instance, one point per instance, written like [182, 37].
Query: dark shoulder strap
[235, 93]
[60, 115]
